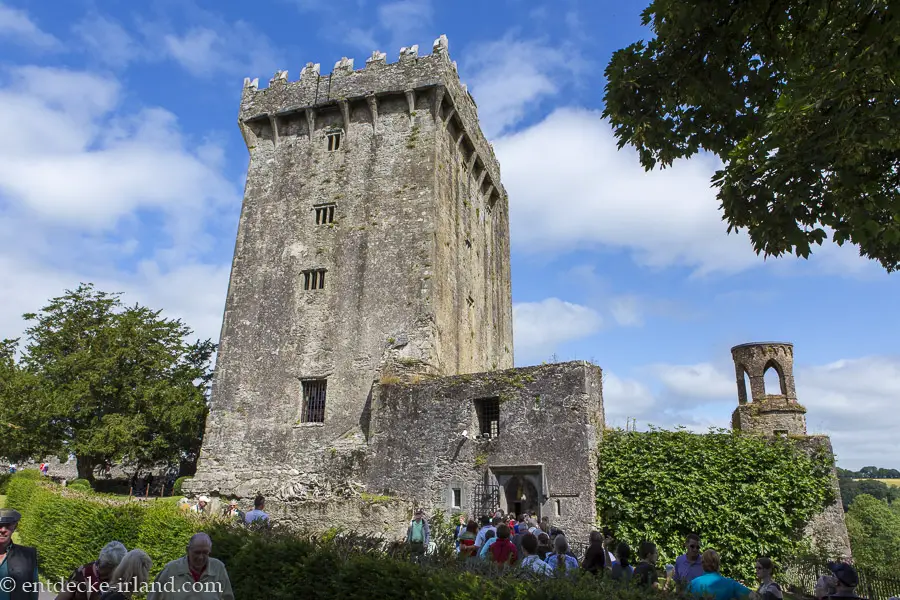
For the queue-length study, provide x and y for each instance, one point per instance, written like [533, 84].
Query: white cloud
[81, 164]
[626, 311]
[120, 200]
[405, 20]
[18, 26]
[571, 189]
[701, 381]
[108, 41]
[625, 398]
[540, 327]
[511, 76]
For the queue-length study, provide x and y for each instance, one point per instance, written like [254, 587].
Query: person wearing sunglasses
[688, 566]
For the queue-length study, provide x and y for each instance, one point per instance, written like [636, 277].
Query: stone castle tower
[757, 411]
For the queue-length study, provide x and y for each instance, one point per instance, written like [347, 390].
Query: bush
[80, 484]
[4, 479]
[744, 495]
[69, 526]
[176, 488]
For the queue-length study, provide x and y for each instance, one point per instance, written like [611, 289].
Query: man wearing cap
[418, 535]
[18, 564]
[841, 584]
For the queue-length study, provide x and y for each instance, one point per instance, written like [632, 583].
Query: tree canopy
[799, 99]
[105, 382]
[874, 529]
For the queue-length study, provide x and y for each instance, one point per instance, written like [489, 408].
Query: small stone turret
[757, 411]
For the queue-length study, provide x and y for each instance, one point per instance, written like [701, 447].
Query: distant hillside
[883, 484]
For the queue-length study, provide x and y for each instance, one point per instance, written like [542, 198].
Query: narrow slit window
[469, 244]
[314, 400]
[325, 214]
[470, 301]
[333, 140]
[457, 497]
[488, 411]
[314, 279]
[557, 508]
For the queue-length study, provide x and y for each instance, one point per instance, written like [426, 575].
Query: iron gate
[487, 500]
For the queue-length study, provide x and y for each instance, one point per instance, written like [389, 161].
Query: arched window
[747, 387]
[774, 380]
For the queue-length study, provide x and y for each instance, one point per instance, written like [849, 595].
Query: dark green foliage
[4, 480]
[798, 99]
[105, 382]
[874, 534]
[851, 488]
[69, 527]
[80, 484]
[870, 473]
[744, 495]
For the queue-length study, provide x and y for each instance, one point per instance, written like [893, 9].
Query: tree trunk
[85, 467]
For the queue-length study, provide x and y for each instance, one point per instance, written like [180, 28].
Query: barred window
[488, 411]
[314, 400]
[324, 214]
[314, 279]
[333, 139]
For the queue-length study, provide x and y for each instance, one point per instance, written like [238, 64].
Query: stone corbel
[481, 178]
[450, 114]
[411, 101]
[345, 115]
[438, 101]
[273, 121]
[311, 121]
[372, 101]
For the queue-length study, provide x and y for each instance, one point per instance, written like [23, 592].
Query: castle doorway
[521, 496]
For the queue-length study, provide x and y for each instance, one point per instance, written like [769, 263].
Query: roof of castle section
[379, 77]
[749, 344]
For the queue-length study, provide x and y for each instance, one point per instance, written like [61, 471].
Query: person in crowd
[610, 543]
[595, 557]
[233, 513]
[417, 535]
[85, 583]
[522, 524]
[714, 584]
[12, 468]
[195, 567]
[130, 576]
[768, 589]
[530, 559]
[201, 507]
[545, 548]
[545, 525]
[259, 516]
[645, 573]
[467, 541]
[561, 561]
[18, 564]
[489, 539]
[621, 569]
[503, 552]
[840, 584]
[688, 566]
[486, 525]
[460, 529]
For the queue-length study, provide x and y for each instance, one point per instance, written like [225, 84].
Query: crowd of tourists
[540, 550]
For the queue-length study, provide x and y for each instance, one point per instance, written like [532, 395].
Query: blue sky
[122, 164]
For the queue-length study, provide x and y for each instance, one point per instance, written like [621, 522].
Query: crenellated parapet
[410, 76]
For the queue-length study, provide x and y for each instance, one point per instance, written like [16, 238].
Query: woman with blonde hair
[132, 574]
[712, 583]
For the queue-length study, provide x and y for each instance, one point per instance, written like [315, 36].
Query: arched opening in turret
[773, 380]
[748, 393]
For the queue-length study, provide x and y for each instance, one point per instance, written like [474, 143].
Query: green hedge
[80, 484]
[176, 487]
[70, 526]
[4, 480]
[744, 495]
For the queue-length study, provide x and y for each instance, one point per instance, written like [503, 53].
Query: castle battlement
[410, 75]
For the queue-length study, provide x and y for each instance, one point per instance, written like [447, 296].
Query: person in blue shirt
[714, 584]
[687, 566]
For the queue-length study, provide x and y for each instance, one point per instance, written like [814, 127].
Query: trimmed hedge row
[69, 527]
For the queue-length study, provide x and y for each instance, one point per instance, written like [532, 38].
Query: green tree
[874, 533]
[110, 383]
[798, 98]
[851, 489]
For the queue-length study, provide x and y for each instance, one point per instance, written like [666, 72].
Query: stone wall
[827, 531]
[426, 441]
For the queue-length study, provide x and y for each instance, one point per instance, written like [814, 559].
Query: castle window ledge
[312, 424]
